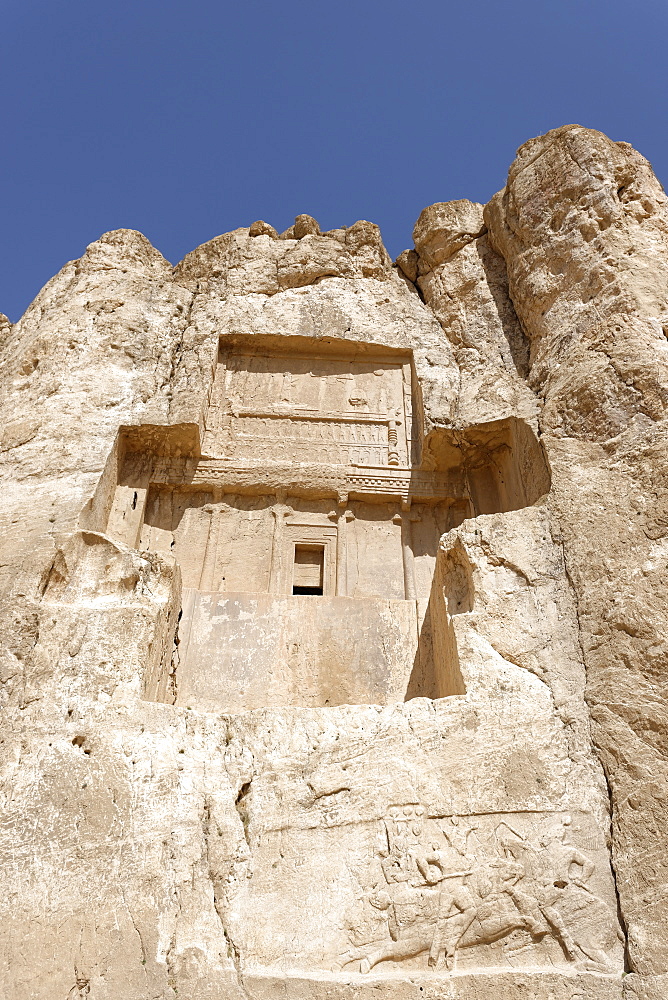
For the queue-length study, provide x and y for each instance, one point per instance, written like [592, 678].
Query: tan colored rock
[337, 234]
[312, 258]
[446, 227]
[407, 262]
[5, 328]
[119, 319]
[645, 987]
[261, 228]
[464, 282]
[233, 263]
[305, 225]
[315, 590]
[364, 241]
[583, 227]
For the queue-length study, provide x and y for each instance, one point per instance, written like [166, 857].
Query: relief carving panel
[298, 408]
[416, 894]
[486, 885]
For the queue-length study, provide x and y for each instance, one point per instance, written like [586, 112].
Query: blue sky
[185, 120]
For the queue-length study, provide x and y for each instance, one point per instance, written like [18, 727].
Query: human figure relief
[457, 835]
[441, 898]
[553, 888]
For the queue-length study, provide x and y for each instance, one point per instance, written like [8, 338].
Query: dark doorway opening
[308, 571]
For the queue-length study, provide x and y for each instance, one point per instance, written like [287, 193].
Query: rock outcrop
[583, 228]
[332, 625]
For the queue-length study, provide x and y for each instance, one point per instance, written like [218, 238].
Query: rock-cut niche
[307, 528]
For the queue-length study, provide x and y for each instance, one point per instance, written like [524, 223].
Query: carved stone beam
[127, 513]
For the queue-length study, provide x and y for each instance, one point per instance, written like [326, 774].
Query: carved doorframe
[304, 534]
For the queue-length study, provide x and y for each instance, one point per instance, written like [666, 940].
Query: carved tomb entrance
[306, 532]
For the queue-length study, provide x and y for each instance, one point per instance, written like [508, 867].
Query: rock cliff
[333, 633]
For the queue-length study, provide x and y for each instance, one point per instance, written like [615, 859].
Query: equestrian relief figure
[436, 898]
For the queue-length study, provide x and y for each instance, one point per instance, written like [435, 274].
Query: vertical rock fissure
[233, 951]
[241, 805]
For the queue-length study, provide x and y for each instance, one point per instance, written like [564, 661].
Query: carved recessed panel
[309, 446]
[417, 893]
[483, 890]
[277, 407]
[249, 639]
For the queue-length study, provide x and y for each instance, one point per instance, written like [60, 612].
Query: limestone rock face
[583, 227]
[464, 282]
[332, 625]
[445, 228]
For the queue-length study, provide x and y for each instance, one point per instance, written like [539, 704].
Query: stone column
[343, 517]
[392, 442]
[281, 511]
[406, 518]
[216, 511]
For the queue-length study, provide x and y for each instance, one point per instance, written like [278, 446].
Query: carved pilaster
[406, 518]
[281, 511]
[216, 512]
[344, 516]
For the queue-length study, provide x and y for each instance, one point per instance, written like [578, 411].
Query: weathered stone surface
[261, 228]
[95, 350]
[583, 228]
[364, 241]
[5, 328]
[407, 262]
[645, 987]
[464, 282]
[305, 225]
[332, 623]
[445, 228]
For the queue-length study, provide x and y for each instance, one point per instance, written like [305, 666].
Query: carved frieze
[320, 409]
[363, 482]
[512, 891]
[413, 894]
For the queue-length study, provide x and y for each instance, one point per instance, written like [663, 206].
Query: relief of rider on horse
[438, 899]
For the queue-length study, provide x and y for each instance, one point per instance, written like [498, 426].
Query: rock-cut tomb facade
[333, 624]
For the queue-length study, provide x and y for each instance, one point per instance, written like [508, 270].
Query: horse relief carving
[524, 899]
